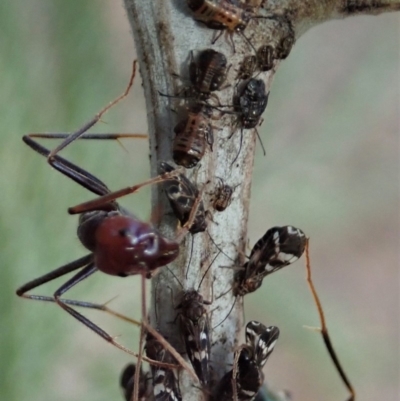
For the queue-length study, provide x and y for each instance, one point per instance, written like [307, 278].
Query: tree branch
[165, 33]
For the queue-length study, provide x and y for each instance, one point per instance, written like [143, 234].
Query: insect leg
[77, 134]
[72, 171]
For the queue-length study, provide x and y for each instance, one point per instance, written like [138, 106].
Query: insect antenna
[226, 317]
[190, 257]
[247, 40]
[208, 268]
[217, 246]
[261, 142]
[324, 328]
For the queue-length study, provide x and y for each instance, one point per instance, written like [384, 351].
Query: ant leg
[61, 271]
[105, 199]
[77, 134]
[72, 171]
[68, 268]
[81, 275]
[106, 136]
[324, 329]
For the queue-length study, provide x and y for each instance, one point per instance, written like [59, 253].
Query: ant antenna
[324, 328]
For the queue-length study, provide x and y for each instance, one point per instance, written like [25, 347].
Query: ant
[120, 245]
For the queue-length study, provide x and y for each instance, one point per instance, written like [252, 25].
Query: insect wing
[254, 330]
[165, 384]
[266, 344]
[249, 377]
[288, 243]
[197, 341]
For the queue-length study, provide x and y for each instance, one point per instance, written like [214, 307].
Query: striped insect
[165, 381]
[279, 247]
[244, 381]
[127, 383]
[207, 73]
[223, 16]
[193, 134]
[195, 327]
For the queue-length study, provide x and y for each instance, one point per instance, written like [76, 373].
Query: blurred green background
[332, 168]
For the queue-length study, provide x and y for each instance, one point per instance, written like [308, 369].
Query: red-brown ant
[120, 245]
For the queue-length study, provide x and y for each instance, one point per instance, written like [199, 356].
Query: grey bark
[164, 33]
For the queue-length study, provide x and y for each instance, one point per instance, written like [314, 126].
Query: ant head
[126, 246]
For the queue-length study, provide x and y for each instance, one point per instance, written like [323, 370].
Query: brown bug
[222, 196]
[287, 39]
[193, 133]
[247, 67]
[207, 72]
[265, 57]
[221, 16]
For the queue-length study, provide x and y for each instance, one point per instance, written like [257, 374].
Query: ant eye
[123, 232]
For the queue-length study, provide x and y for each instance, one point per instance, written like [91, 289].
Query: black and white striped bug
[195, 328]
[262, 339]
[165, 382]
[127, 383]
[182, 194]
[279, 247]
[246, 377]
